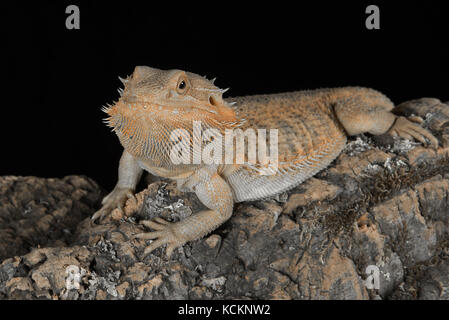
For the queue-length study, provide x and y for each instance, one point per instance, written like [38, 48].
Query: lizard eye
[182, 85]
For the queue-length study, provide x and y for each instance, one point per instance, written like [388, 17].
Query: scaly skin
[313, 126]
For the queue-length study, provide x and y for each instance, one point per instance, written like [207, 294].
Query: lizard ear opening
[212, 101]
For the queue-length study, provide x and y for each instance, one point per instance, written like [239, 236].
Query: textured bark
[383, 202]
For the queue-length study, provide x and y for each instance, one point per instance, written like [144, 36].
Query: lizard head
[154, 102]
[172, 89]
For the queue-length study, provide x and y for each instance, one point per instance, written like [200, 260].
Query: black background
[58, 79]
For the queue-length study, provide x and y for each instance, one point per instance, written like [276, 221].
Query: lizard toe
[155, 224]
[154, 245]
[148, 235]
[98, 216]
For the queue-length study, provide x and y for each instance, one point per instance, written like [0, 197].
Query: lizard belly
[248, 185]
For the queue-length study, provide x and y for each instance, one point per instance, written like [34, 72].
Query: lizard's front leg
[214, 193]
[129, 173]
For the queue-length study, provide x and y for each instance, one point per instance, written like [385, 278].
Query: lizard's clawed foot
[116, 199]
[410, 129]
[164, 234]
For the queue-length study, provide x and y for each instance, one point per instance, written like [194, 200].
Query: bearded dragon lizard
[312, 130]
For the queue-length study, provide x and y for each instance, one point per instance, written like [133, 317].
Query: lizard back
[309, 138]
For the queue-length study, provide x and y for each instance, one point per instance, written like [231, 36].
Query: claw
[161, 221]
[147, 235]
[154, 245]
[153, 225]
[169, 250]
[98, 214]
[405, 135]
[418, 136]
[416, 119]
